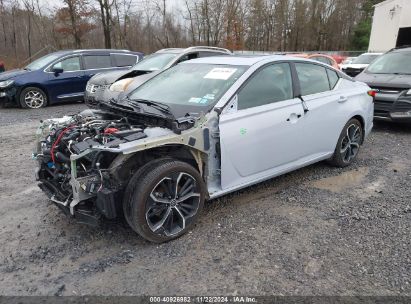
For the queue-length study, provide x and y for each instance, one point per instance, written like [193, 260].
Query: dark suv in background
[109, 85]
[60, 76]
[390, 76]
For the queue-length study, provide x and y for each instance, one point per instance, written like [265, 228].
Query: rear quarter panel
[359, 102]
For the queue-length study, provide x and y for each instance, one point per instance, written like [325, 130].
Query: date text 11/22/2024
[203, 299]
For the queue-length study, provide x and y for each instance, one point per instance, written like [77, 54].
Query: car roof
[95, 51]
[171, 50]
[194, 48]
[244, 60]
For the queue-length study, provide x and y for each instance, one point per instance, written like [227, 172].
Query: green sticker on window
[243, 131]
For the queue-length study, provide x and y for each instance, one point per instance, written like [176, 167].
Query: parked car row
[106, 86]
[60, 76]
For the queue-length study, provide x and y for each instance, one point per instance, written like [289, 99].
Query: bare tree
[147, 25]
[106, 20]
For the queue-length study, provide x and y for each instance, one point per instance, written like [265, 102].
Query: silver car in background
[197, 131]
[112, 85]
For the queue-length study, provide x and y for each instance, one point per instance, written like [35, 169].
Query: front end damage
[85, 161]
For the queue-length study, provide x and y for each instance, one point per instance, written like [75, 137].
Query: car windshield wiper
[159, 106]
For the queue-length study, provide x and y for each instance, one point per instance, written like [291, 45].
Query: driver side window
[69, 64]
[271, 84]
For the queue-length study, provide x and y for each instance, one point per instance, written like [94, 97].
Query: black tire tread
[336, 159]
[141, 183]
[132, 184]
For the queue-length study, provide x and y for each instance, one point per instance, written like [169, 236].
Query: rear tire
[348, 144]
[164, 199]
[33, 98]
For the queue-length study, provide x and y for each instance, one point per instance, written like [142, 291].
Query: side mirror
[57, 71]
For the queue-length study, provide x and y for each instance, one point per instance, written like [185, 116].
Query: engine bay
[85, 161]
[85, 136]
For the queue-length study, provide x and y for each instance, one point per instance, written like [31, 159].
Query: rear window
[123, 60]
[313, 78]
[211, 54]
[97, 62]
[333, 78]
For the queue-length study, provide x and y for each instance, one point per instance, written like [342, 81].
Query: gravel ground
[316, 231]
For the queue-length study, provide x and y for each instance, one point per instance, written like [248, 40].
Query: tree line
[31, 28]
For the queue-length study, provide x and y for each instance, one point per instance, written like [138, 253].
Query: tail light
[372, 93]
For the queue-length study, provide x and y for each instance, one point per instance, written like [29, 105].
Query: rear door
[94, 64]
[261, 128]
[326, 116]
[124, 60]
[68, 85]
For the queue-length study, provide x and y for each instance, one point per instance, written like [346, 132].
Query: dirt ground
[316, 231]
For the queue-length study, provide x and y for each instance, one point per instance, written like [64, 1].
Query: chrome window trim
[45, 70]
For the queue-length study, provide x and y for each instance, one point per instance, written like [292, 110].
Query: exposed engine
[72, 136]
[86, 160]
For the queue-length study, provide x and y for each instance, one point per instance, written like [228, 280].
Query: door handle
[342, 99]
[294, 117]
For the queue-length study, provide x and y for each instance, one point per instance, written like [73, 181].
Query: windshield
[364, 59]
[154, 62]
[348, 60]
[190, 84]
[41, 62]
[392, 63]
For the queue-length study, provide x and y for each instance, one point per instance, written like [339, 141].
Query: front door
[68, 85]
[263, 135]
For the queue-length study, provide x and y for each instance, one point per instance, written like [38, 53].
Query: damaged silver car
[195, 132]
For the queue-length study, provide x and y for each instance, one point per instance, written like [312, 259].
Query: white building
[391, 25]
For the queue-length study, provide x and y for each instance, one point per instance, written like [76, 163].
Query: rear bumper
[392, 108]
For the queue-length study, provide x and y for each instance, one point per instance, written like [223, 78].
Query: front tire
[33, 98]
[348, 144]
[165, 201]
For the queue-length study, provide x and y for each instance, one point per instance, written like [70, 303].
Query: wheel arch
[362, 122]
[35, 85]
[125, 165]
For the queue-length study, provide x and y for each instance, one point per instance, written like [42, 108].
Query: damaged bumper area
[8, 96]
[85, 161]
[74, 156]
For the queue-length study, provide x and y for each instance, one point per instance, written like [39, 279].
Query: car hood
[385, 80]
[137, 81]
[111, 77]
[12, 74]
[107, 77]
